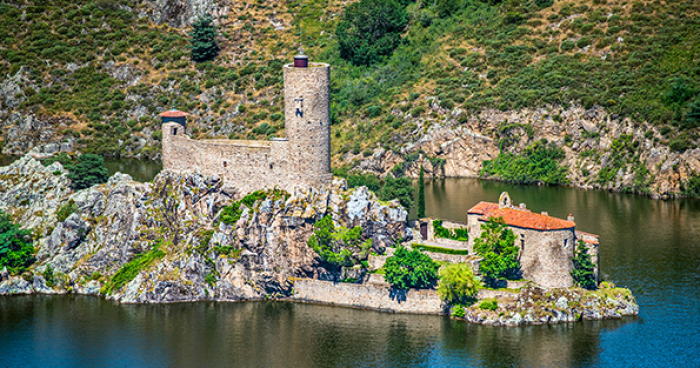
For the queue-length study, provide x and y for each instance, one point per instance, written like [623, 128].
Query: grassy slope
[623, 55]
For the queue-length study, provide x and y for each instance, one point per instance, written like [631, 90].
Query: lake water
[652, 247]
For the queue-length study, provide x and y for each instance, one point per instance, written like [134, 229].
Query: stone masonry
[300, 160]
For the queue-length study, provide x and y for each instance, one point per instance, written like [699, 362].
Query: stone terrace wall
[368, 296]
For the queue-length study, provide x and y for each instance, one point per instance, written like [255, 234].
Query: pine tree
[421, 194]
[203, 42]
[584, 270]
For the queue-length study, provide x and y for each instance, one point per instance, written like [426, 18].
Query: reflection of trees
[88, 331]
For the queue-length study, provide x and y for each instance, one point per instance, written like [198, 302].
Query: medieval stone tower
[307, 119]
[300, 160]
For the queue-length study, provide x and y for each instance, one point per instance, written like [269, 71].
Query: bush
[584, 269]
[66, 210]
[540, 163]
[544, 3]
[410, 269]
[457, 283]
[339, 247]
[203, 42]
[442, 232]
[370, 30]
[496, 246]
[132, 268]
[87, 172]
[231, 214]
[458, 311]
[401, 189]
[489, 304]
[16, 248]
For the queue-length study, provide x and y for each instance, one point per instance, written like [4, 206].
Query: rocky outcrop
[180, 13]
[202, 258]
[590, 139]
[536, 306]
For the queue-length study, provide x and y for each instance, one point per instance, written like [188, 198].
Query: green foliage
[489, 304]
[458, 311]
[496, 246]
[433, 249]
[544, 3]
[16, 248]
[439, 231]
[457, 283]
[539, 163]
[410, 269]
[370, 30]
[397, 188]
[355, 180]
[88, 171]
[421, 194]
[339, 247]
[132, 268]
[584, 269]
[231, 214]
[691, 187]
[48, 276]
[203, 40]
[66, 210]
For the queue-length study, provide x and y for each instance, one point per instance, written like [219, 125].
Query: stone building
[301, 159]
[547, 244]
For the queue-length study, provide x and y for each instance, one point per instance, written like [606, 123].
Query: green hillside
[634, 58]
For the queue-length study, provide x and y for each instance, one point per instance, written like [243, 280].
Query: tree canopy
[584, 269]
[496, 246]
[457, 283]
[16, 248]
[410, 269]
[88, 171]
[338, 247]
[370, 30]
[203, 40]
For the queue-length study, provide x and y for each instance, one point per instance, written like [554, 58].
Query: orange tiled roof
[173, 114]
[483, 208]
[520, 217]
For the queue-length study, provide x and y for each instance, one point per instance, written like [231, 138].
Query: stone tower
[307, 121]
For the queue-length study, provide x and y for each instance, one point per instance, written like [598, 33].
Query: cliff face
[202, 258]
[591, 140]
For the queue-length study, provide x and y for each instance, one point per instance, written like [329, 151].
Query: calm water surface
[652, 247]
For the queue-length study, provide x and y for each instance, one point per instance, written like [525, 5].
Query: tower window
[175, 131]
[224, 163]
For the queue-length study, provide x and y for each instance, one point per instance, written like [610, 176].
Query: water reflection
[86, 331]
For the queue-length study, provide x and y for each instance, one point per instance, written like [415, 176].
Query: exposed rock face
[586, 136]
[204, 259]
[536, 306]
[180, 13]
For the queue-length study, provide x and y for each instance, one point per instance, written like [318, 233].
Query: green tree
[339, 247]
[584, 269]
[370, 30]
[496, 246]
[457, 283]
[88, 171]
[397, 188]
[16, 248]
[203, 42]
[421, 194]
[410, 269]
[692, 117]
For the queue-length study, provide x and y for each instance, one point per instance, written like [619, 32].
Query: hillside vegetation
[109, 68]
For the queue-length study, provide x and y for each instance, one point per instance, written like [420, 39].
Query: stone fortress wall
[302, 159]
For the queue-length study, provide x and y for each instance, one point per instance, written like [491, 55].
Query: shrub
[339, 247]
[540, 163]
[231, 214]
[489, 304]
[203, 42]
[370, 30]
[410, 269]
[66, 210]
[445, 233]
[584, 269]
[16, 248]
[421, 194]
[496, 246]
[88, 171]
[544, 3]
[48, 276]
[457, 283]
[132, 268]
[458, 311]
